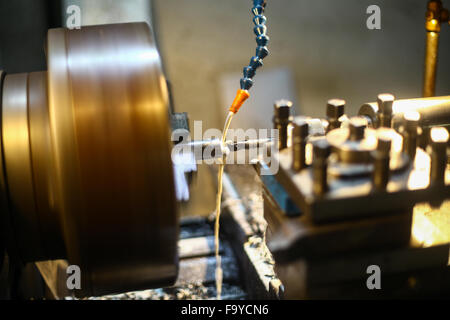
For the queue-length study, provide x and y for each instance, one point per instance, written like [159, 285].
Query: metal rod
[436, 15]
[431, 59]
[213, 147]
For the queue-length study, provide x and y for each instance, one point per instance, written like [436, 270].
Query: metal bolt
[335, 110]
[385, 103]
[411, 125]
[357, 128]
[384, 145]
[381, 158]
[282, 119]
[321, 152]
[299, 135]
[439, 140]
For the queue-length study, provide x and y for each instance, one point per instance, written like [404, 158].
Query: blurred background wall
[325, 44]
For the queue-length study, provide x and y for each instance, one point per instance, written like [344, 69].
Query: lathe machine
[86, 176]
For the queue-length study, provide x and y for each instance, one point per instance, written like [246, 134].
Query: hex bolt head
[439, 137]
[381, 158]
[385, 102]
[335, 108]
[321, 150]
[384, 145]
[385, 109]
[281, 119]
[411, 119]
[282, 109]
[357, 128]
[301, 129]
[299, 134]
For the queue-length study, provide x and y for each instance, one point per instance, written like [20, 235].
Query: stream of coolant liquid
[219, 273]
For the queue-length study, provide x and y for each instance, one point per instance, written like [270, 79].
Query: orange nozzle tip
[241, 97]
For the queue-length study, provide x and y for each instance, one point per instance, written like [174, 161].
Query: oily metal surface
[17, 155]
[110, 137]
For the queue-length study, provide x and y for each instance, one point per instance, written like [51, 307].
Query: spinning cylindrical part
[88, 171]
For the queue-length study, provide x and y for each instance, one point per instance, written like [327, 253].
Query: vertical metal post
[436, 15]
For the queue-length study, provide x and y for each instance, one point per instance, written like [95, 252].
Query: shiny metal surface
[114, 184]
[431, 61]
[358, 151]
[17, 155]
[4, 210]
[433, 111]
[436, 16]
[42, 166]
[27, 183]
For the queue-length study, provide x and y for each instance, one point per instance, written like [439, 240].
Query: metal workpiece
[410, 132]
[381, 160]
[433, 111]
[281, 120]
[215, 149]
[321, 152]
[439, 138]
[300, 134]
[335, 110]
[385, 103]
